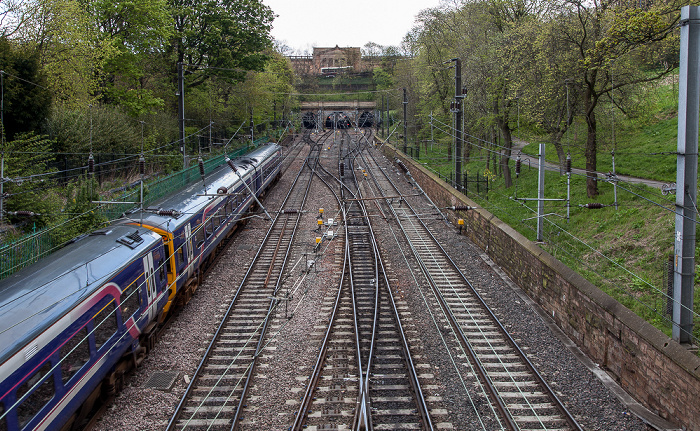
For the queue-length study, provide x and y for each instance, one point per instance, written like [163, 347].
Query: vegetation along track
[365, 351]
[511, 394]
[217, 391]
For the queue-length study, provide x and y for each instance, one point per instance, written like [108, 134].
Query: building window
[105, 323]
[36, 401]
[74, 354]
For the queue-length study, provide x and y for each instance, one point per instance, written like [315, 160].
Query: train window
[180, 256]
[161, 269]
[3, 421]
[45, 390]
[74, 354]
[130, 301]
[105, 323]
[199, 235]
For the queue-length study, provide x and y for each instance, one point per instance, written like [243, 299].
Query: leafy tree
[137, 29]
[27, 160]
[226, 38]
[27, 100]
[72, 50]
[603, 34]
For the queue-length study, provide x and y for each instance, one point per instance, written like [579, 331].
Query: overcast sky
[326, 23]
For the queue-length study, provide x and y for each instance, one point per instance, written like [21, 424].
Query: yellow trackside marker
[320, 210]
[320, 222]
[460, 222]
[318, 239]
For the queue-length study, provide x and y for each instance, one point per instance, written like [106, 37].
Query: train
[73, 323]
[338, 120]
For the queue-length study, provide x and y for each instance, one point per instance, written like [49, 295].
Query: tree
[27, 158]
[137, 30]
[226, 38]
[604, 34]
[72, 52]
[27, 100]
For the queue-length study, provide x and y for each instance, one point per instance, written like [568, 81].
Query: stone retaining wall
[654, 369]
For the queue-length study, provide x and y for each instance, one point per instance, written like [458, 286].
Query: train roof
[191, 198]
[32, 299]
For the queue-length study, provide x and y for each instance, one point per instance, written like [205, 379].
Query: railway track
[512, 394]
[217, 392]
[364, 377]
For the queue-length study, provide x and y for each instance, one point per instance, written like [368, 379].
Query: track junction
[353, 315]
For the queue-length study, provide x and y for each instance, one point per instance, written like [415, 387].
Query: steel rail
[417, 392]
[274, 301]
[423, 411]
[571, 421]
[320, 360]
[362, 419]
[177, 413]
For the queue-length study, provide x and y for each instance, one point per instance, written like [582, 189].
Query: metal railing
[29, 248]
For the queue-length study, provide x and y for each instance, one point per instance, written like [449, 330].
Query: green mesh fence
[32, 247]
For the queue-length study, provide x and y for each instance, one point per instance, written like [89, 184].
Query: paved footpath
[518, 145]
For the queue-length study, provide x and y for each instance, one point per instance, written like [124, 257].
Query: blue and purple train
[73, 323]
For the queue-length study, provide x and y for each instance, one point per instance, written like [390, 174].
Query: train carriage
[65, 327]
[193, 223]
[74, 322]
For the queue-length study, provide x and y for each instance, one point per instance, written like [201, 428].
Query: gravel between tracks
[288, 359]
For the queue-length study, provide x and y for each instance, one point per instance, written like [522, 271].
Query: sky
[302, 25]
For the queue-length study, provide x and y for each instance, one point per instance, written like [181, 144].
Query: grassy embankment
[624, 251]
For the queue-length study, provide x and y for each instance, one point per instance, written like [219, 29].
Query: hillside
[624, 250]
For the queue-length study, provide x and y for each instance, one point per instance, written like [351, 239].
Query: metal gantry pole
[405, 128]
[540, 196]
[458, 122]
[687, 173]
[181, 111]
[568, 186]
[2, 143]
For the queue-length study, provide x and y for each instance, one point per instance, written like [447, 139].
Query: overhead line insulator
[142, 165]
[168, 213]
[229, 162]
[200, 162]
[91, 164]
[593, 206]
[461, 208]
[22, 213]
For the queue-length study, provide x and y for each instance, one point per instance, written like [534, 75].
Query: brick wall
[654, 369]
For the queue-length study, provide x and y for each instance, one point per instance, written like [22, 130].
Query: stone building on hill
[349, 59]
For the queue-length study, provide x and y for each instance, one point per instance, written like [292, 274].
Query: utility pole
[2, 142]
[387, 118]
[252, 126]
[458, 121]
[687, 173]
[405, 128]
[540, 196]
[181, 111]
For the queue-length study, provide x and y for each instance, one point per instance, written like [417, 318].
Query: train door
[151, 286]
[189, 249]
